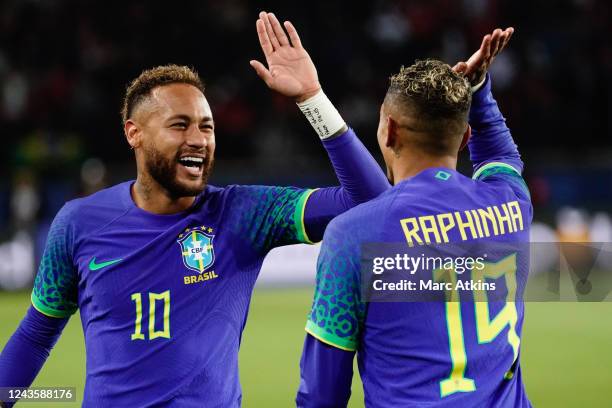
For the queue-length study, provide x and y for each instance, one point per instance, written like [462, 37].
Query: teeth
[198, 160]
[191, 161]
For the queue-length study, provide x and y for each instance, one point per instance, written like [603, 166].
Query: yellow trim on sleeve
[47, 311]
[300, 216]
[494, 164]
[321, 339]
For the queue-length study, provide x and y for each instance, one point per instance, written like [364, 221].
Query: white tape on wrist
[322, 115]
[477, 87]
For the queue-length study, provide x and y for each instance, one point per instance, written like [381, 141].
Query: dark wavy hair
[140, 88]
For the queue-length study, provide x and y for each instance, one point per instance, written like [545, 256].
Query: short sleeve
[269, 217]
[337, 312]
[503, 172]
[55, 287]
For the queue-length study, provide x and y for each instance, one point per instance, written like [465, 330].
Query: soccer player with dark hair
[446, 353]
[162, 268]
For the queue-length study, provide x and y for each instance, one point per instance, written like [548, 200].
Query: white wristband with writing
[322, 115]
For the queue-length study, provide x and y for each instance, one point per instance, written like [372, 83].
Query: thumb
[460, 67]
[261, 71]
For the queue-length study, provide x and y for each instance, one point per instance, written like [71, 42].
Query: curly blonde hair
[140, 88]
[433, 100]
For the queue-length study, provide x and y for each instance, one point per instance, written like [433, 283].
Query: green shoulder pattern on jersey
[298, 216]
[337, 311]
[500, 168]
[55, 287]
[270, 216]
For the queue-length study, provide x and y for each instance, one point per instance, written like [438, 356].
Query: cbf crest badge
[197, 248]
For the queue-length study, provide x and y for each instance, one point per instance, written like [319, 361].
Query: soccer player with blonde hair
[455, 348]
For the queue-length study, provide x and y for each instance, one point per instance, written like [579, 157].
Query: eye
[179, 125]
[206, 126]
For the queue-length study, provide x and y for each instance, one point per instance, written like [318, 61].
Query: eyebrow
[187, 118]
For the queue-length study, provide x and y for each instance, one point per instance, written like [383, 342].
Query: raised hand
[290, 70]
[492, 45]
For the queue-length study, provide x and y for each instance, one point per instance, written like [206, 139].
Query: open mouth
[193, 165]
[192, 162]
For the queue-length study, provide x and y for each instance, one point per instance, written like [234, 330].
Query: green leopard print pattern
[55, 286]
[337, 312]
[270, 216]
[503, 171]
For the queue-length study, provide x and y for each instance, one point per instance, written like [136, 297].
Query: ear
[132, 133]
[391, 134]
[466, 137]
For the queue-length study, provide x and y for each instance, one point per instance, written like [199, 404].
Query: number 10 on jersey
[153, 299]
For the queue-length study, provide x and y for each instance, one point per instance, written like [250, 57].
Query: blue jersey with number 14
[458, 353]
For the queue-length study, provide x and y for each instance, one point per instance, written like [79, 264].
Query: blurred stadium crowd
[64, 65]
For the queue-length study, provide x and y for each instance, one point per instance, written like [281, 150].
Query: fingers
[460, 67]
[496, 41]
[269, 30]
[486, 46]
[293, 35]
[278, 30]
[502, 39]
[492, 44]
[261, 71]
[264, 41]
[507, 35]
[479, 57]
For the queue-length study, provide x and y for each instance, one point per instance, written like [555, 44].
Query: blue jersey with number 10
[164, 298]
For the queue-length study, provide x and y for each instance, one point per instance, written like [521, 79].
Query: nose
[196, 138]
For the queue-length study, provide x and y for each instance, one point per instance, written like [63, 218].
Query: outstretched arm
[291, 72]
[491, 141]
[494, 154]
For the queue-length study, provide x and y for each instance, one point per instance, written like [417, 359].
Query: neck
[409, 165]
[152, 197]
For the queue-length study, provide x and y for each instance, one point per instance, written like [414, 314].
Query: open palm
[477, 65]
[290, 70]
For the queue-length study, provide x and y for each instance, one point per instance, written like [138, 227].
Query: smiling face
[172, 131]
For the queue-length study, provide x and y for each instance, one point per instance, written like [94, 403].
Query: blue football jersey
[457, 352]
[163, 299]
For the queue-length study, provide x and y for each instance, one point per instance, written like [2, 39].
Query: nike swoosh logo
[93, 266]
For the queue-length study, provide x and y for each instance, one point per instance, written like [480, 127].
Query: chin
[177, 183]
[189, 187]
[182, 188]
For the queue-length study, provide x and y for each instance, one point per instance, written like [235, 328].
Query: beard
[163, 171]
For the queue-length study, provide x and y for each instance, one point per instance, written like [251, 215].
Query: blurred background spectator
[64, 65]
